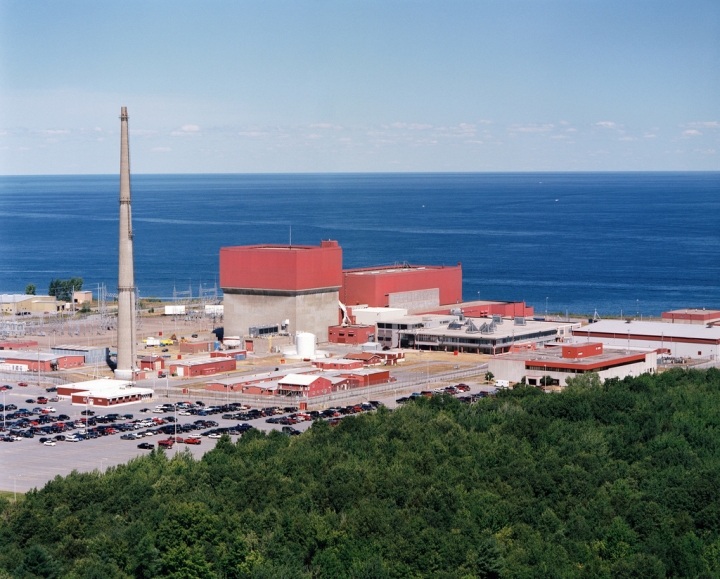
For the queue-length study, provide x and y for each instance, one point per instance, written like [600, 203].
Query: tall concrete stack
[126, 272]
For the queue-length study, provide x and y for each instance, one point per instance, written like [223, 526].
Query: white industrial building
[676, 340]
[562, 361]
[451, 332]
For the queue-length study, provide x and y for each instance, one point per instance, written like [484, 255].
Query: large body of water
[576, 241]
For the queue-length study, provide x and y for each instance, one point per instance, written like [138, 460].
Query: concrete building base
[124, 374]
[308, 310]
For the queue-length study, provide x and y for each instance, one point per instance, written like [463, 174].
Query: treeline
[619, 480]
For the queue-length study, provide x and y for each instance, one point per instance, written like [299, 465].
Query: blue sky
[295, 86]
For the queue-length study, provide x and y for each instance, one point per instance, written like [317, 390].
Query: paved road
[28, 464]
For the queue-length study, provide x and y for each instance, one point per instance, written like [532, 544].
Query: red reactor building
[265, 285]
[408, 286]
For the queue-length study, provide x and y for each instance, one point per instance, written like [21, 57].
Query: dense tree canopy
[63, 289]
[613, 480]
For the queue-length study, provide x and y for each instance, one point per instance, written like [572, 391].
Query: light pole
[101, 464]
[546, 307]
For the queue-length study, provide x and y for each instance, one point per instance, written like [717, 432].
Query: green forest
[613, 480]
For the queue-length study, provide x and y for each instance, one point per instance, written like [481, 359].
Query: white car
[159, 411]
[50, 409]
[72, 438]
[49, 443]
[185, 413]
[214, 435]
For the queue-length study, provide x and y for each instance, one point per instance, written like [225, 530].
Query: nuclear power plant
[125, 369]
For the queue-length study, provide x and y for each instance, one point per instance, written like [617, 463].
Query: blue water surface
[576, 241]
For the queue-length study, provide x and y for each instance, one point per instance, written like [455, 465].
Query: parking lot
[27, 463]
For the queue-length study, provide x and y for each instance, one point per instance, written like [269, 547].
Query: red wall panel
[281, 267]
[372, 288]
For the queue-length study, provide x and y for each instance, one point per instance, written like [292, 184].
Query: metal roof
[298, 379]
[30, 356]
[653, 329]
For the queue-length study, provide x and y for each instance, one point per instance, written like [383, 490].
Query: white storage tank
[305, 344]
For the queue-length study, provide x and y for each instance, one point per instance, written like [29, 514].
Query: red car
[166, 443]
[192, 441]
[24, 384]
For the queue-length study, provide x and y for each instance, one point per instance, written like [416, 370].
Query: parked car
[23, 384]
[193, 440]
[147, 445]
[49, 443]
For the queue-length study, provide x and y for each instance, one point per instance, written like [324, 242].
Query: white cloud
[571, 130]
[252, 133]
[411, 126]
[704, 124]
[186, 131]
[314, 136]
[606, 124]
[160, 149]
[325, 126]
[559, 137]
[691, 133]
[532, 128]
[627, 139]
[141, 132]
[56, 132]
[484, 122]
[651, 136]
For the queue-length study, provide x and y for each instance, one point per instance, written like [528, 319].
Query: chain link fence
[418, 381]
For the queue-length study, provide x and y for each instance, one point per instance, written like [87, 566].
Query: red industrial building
[691, 316]
[305, 385]
[264, 285]
[398, 286]
[152, 363]
[18, 345]
[367, 358]
[203, 366]
[195, 347]
[37, 360]
[369, 377]
[483, 309]
[353, 334]
[338, 364]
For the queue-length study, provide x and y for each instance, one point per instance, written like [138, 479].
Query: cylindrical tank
[305, 344]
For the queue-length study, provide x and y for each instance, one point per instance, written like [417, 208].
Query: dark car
[88, 412]
[30, 401]
[146, 445]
